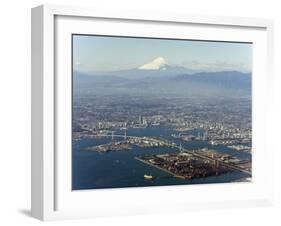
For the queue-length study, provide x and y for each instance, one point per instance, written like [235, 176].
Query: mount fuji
[155, 68]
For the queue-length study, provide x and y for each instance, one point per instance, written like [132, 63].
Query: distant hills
[231, 79]
[164, 71]
[165, 80]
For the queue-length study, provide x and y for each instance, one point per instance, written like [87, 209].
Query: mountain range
[164, 79]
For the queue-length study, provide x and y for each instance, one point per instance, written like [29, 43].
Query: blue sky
[101, 53]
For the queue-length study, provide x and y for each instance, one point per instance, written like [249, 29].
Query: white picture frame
[52, 197]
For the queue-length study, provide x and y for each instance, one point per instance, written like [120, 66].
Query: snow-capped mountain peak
[158, 63]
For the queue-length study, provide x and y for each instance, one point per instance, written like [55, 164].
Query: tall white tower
[140, 120]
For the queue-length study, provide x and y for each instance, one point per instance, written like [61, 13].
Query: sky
[105, 53]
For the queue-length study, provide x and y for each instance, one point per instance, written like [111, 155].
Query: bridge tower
[125, 135]
[125, 131]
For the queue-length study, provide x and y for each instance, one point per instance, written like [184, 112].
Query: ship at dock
[147, 177]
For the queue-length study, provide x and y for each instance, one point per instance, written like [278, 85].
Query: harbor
[121, 168]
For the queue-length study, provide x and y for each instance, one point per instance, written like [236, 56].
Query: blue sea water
[92, 170]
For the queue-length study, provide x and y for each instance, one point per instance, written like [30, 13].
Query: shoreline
[157, 167]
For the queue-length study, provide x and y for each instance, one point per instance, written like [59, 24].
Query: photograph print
[159, 112]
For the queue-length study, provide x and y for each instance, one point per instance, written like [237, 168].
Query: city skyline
[105, 53]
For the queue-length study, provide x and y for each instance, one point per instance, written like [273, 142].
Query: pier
[160, 168]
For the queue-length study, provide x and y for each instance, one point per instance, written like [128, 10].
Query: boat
[147, 176]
